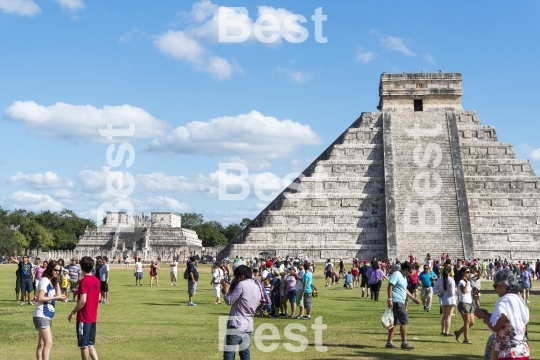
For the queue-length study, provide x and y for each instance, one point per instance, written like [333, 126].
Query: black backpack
[186, 273]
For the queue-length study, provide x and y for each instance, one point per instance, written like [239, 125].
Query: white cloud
[396, 44]
[163, 203]
[535, 155]
[33, 202]
[72, 5]
[47, 180]
[162, 183]
[190, 43]
[364, 56]
[133, 34]
[252, 164]
[429, 59]
[246, 135]
[181, 46]
[298, 77]
[20, 7]
[82, 122]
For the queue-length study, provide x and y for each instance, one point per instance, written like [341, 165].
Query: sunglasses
[57, 270]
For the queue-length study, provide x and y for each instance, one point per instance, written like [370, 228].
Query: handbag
[387, 319]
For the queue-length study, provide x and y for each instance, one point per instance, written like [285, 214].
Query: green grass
[144, 322]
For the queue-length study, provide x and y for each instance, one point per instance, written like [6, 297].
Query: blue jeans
[236, 339]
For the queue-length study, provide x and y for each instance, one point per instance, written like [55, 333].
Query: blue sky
[68, 67]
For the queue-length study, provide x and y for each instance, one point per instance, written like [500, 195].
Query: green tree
[245, 222]
[210, 235]
[12, 240]
[232, 231]
[37, 236]
[191, 220]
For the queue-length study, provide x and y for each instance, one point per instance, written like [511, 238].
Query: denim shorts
[291, 295]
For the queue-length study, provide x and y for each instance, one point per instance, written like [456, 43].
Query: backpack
[314, 291]
[186, 273]
[218, 278]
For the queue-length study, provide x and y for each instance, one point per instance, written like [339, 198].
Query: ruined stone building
[419, 176]
[160, 235]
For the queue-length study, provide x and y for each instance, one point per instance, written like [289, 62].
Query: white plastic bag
[387, 319]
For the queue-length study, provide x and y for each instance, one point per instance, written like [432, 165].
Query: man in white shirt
[137, 271]
[104, 278]
[217, 275]
[174, 271]
[300, 290]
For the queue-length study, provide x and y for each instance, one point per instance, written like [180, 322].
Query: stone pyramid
[420, 176]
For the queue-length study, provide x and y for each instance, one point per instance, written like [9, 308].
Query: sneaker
[30, 303]
[306, 317]
[528, 302]
[391, 345]
[467, 341]
[23, 303]
[192, 304]
[456, 334]
[174, 284]
[171, 284]
[406, 346]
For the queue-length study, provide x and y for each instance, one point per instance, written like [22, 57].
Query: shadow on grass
[409, 355]
[163, 304]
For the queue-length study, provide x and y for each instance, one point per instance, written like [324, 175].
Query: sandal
[293, 316]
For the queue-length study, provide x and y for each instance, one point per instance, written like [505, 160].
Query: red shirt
[414, 277]
[354, 272]
[90, 286]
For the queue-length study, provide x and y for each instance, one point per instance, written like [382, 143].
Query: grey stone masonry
[422, 175]
[422, 206]
[503, 193]
[334, 209]
[161, 234]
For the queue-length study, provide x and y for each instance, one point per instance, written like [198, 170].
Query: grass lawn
[156, 323]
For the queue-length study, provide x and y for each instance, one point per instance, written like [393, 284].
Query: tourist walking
[48, 293]
[174, 271]
[137, 271]
[465, 305]
[86, 310]
[328, 270]
[217, 276]
[104, 279]
[26, 275]
[243, 299]
[290, 281]
[509, 319]
[427, 278]
[75, 274]
[154, 273]
[38, 273]
[307, 294]
[445, 287]
[397, 294]
[364, 278]
[192, 278]
[300, 290]
[375, 278]
[526, 279]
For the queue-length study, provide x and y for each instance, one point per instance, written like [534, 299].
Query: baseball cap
[237, 264]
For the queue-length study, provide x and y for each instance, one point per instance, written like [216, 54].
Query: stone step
[332, 212]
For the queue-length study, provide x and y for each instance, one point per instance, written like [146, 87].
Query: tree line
[23, 230]
[212, 233]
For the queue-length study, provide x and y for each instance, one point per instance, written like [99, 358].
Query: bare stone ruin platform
[161, 234]
[421, 175]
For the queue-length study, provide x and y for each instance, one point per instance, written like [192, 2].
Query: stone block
[319, 202]
[491, 185]
[350, 202]
[499, 202]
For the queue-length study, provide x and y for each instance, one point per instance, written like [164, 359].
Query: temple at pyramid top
[420, 92]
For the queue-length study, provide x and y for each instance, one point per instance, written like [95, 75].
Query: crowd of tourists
[283, 287]
[43, 284]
